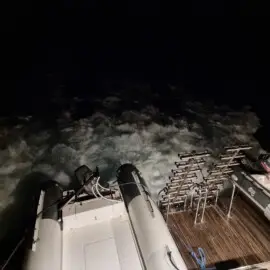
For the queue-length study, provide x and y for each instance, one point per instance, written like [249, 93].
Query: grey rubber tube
[46, 249]
[152, 235]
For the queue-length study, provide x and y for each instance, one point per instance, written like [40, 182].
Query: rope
[158, 195]
[169, 253]
[200, 258]
[93, 191]
[98, 192]
[13, 252]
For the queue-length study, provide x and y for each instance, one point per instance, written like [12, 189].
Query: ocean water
[147, 137]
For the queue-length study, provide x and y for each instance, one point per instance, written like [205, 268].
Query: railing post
[230, 207]
[204, 205]
[197, 209]
[217, 198]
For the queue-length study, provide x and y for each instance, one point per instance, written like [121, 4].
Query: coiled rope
[200, 258]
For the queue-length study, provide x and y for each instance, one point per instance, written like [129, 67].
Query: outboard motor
[86, 178]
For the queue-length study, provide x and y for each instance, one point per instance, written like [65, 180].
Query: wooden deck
[245, 238]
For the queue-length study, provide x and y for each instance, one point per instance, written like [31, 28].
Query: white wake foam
[147, 138]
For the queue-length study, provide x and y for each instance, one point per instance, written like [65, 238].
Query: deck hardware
[193, 187]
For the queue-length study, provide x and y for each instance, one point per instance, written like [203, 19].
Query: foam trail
[147, 138]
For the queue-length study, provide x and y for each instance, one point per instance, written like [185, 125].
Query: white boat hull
[99, 234]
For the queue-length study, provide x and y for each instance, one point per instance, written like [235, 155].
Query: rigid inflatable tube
[46, 250]
[152, 234]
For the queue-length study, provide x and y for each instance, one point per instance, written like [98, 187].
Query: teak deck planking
[245, 237]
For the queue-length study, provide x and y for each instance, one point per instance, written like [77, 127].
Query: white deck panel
[98, 238]
[125, 245]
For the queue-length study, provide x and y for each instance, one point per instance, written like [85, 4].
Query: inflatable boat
[120, 230]
[256, 187]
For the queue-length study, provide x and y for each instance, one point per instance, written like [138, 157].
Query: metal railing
[185, 191]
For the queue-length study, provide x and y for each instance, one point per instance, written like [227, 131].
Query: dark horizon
[218, 53]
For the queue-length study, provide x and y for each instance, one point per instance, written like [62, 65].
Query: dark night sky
[215, 49]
